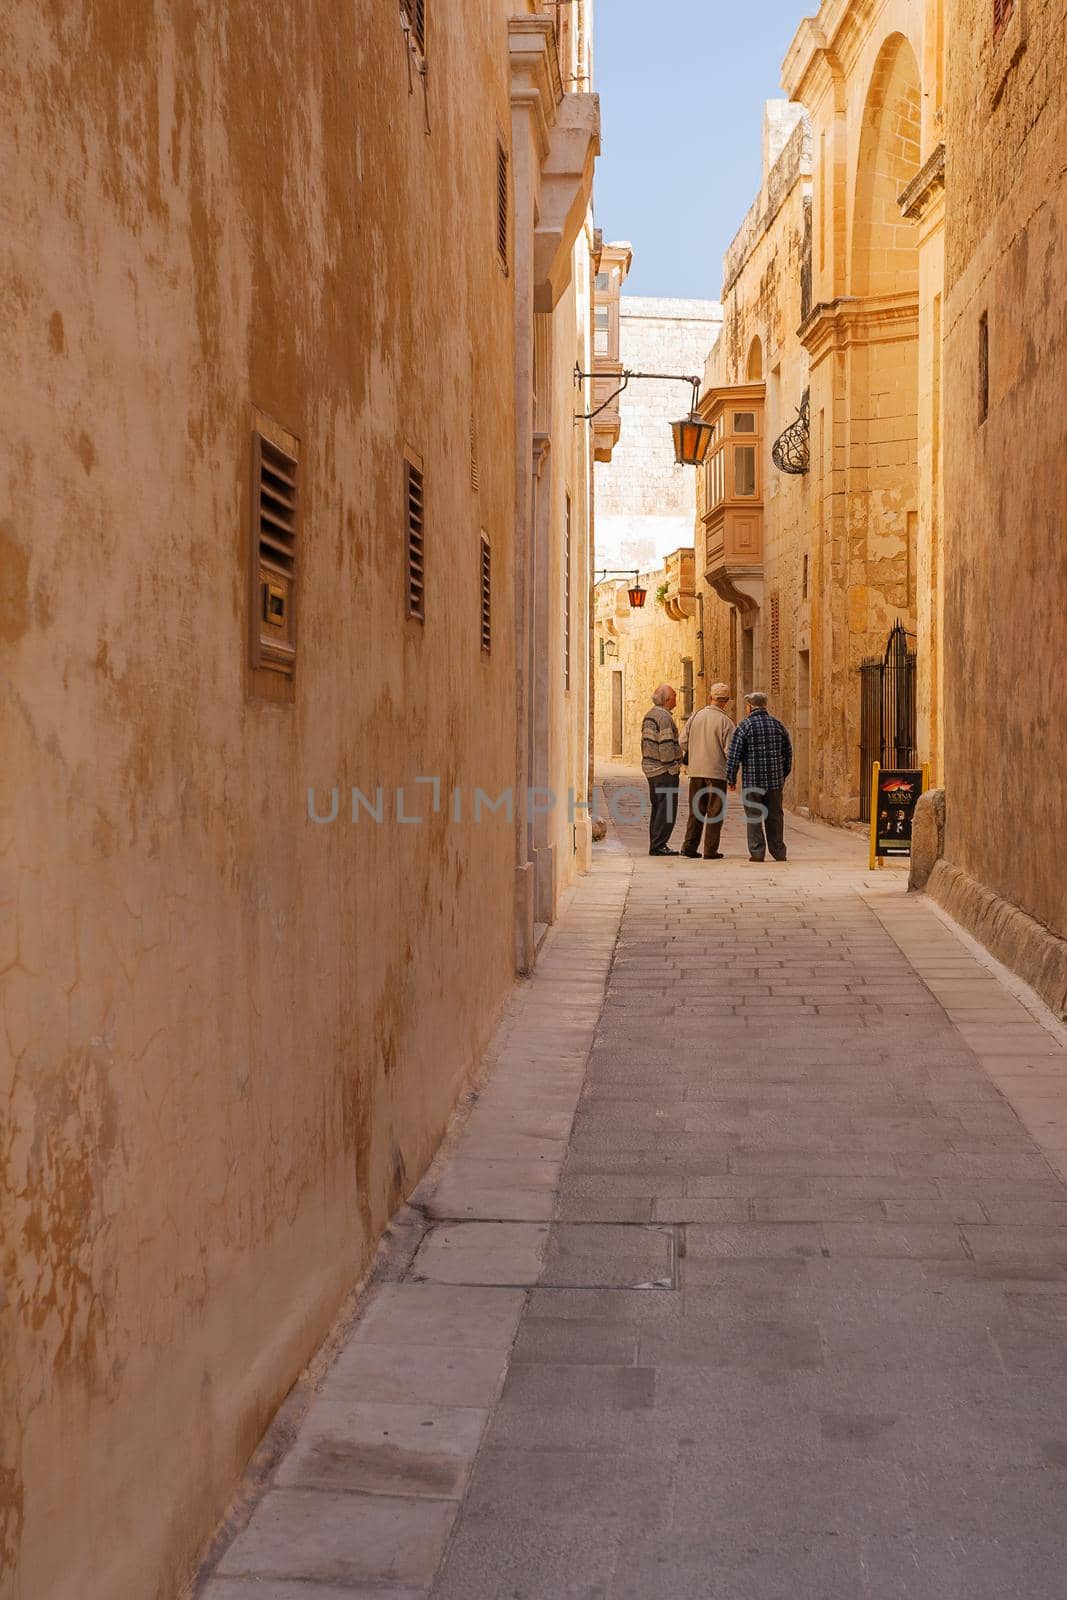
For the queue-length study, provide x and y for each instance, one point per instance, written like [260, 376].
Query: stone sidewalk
[746, 1278]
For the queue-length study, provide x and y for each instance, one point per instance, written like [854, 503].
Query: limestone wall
[644, 501]
[763, 294]
[1006, 474]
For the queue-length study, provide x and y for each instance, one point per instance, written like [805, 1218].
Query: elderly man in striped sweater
[661, 762]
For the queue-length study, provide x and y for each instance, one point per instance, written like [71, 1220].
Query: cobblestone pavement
[746, 1278]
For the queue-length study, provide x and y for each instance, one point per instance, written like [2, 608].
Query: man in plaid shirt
[761, 748]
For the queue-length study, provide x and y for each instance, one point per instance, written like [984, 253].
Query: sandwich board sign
[895, 793]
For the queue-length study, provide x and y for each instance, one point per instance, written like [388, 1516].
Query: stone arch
[885, 244]
[754, 362]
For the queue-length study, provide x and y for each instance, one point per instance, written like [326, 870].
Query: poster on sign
[894, 795]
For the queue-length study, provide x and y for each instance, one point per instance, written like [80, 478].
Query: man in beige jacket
[705, 747]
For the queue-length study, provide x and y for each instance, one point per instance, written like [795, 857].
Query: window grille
[415, 511]
[1002, 10]
[486, 595]
[415, 14]
[475, 469]
[776, 651]
[275, 506]
[502, 215]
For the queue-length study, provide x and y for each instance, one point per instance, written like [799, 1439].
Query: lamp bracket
[627, 376]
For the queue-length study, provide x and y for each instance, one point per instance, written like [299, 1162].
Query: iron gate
[887, 712]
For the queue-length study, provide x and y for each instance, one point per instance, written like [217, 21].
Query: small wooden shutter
[776, 648]
[415, 511]
[275, 506]
[415, 12]
[502, 213]
[475, 469]
[486, 595]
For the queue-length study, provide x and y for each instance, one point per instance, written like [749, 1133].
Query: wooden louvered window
[503, 215]
[776, 645]
[274, 551]
[1002, 10]
[485, 594]
[415, 13]
[475, 468]
[415, 515]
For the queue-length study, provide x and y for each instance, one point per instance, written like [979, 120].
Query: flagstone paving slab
[745, 1277]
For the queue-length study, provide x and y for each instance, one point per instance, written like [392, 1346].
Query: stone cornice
[931, 177]
[835, 325]
[535, 76]
[824, 49]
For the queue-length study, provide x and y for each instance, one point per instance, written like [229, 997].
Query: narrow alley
[745, 1277]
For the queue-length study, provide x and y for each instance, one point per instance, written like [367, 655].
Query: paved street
[744, 1279]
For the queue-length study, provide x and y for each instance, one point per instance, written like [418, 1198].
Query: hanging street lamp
[635, 593]
[692, 436]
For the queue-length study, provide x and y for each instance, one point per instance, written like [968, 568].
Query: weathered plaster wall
[1006, 476]
[232, 1037]
[644, 501]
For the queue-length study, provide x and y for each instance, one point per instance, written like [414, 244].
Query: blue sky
[682, 85]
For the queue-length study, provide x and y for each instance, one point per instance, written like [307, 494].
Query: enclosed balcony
[731, 494]
[612, 268]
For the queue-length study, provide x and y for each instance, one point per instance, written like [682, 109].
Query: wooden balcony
[731, 494]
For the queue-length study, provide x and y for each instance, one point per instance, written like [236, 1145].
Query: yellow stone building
[871, 80]
[753, 520]
[1004, 583]
[297, 552]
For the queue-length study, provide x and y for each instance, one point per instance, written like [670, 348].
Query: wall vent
[502, 210]
[415, 514]
[274, 550]
[485, 594]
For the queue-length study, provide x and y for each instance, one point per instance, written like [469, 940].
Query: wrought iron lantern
[692, 436]
[692, 440]
[790, 452]
[636, 593]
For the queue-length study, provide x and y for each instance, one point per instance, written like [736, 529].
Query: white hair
[661, 695]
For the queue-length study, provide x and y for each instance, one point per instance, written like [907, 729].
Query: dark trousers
[707, 812]
[773, 825]
[663, 795]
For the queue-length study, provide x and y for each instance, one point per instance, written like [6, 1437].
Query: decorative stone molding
[929, 180]
[835, 325]
[535, 77]
[565, 195]
[542, 444]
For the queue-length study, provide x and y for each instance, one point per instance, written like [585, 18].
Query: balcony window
[744, 470]
[744, 422]
[602, 331]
